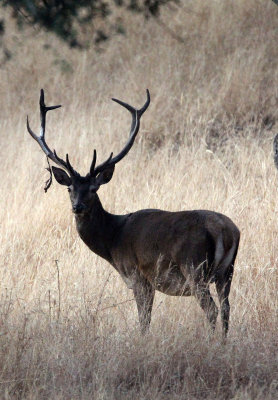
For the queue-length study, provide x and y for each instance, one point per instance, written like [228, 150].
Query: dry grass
[205, 142]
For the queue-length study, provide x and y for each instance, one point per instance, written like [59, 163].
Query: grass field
[68, 324]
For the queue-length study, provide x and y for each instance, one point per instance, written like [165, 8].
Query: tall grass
[205, 142]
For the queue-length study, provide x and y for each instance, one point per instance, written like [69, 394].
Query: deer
[177, 253]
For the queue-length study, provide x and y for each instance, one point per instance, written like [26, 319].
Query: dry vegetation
[205, 142]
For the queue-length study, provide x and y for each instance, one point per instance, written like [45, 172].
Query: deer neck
[98, 228]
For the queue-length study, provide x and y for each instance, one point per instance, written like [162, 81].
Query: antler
[41, 138]
[135, 125]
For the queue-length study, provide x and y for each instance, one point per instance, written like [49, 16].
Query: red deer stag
[177, 253]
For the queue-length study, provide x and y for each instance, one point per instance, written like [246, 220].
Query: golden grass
[205, 142]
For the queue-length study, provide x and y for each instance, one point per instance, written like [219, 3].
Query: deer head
[82, 189]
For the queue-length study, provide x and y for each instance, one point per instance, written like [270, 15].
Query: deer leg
[144, 296]
[223, 286]
[207, 304]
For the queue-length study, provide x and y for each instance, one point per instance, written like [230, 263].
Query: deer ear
[61, 176]
[105, 175]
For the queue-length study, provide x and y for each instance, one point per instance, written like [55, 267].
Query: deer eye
[93, 189]
[69, 189]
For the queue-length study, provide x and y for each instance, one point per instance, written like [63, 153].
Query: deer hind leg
[223, 286]
[144, 296]
[204, 298]
[200, 290]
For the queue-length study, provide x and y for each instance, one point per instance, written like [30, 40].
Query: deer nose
[78, 208]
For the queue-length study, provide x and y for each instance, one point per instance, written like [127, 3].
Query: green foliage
[69, 18]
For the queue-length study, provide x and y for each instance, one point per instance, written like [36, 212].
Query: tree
[78, 23]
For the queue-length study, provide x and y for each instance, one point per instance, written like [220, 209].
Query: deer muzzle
[78, 208]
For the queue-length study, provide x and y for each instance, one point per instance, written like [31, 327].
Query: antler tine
[69, 166]
[41, 138]
[101, 166]
[92, 168]
[132, 109]
[59, 160]
[135, 125]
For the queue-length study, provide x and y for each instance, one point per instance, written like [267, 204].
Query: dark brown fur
[173, 252]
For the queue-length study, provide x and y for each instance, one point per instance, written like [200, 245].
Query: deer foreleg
[144, 296]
